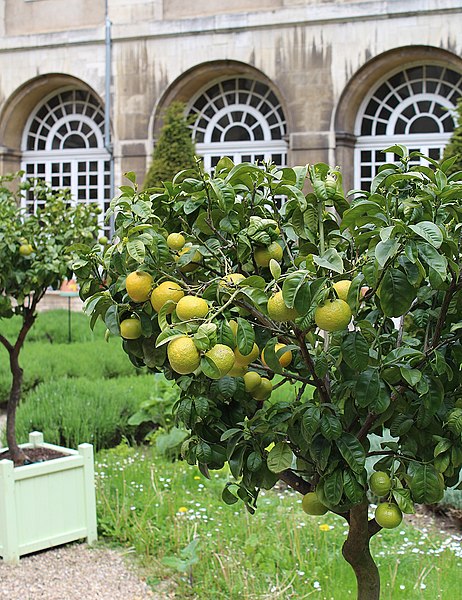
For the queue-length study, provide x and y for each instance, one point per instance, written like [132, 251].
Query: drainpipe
[107, 100]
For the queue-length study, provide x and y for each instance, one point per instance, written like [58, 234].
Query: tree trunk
[357, 553]
[17, 454]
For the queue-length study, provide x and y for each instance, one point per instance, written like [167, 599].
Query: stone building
[83, 83]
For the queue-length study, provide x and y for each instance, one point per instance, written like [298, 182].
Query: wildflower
[324, 527]
[196, 477]
[316, 585]
[182, 509]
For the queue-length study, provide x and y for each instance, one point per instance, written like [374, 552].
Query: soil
[35, 455]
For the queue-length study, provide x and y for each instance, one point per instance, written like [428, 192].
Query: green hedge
[72, 411]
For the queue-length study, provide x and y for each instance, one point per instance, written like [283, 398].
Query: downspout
[107, 101]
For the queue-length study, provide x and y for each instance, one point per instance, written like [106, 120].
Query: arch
[232, 105]
[403, 116]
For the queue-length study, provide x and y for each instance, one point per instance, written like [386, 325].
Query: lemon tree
[362, 293]
[35, 255]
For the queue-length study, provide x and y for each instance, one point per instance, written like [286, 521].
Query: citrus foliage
[398, 245]
[174, 150]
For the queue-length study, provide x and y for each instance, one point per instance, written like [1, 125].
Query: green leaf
[331, 260]
[280, 457]
[254, 461]
[331, 427]
[111, 319]
[434, 259]
[355, 351]
[167, 336]
[400, 425]
[245, 336]
[367, 387]
[396, 293]
[209, 368]
[352, 451]
[385, 250]
[292, 283]
[310, 422]
[320, 450]
[429, 231]
[426, 486]
[354, 490]
[136, 250]
[332, 487]
[403, 500]
[227, 496]
[227, 386]
[162, 316]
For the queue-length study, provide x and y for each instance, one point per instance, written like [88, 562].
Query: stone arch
[367, 78]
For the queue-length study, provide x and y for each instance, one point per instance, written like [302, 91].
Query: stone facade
[321, 58]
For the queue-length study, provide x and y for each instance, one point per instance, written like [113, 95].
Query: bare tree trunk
[357, 553]
[16, 453]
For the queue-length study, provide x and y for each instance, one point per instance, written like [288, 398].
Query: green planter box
[46, 504]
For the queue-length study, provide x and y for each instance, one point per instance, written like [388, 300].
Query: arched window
[240, 118]
[414, 107]
[63, 143]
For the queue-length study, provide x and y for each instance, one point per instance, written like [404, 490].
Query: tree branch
[6, 343]
[295, 482]
[318, 382]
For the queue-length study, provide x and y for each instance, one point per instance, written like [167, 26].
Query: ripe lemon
[312, 505]
[388, 515]
[284, 360]
[237, 370]
[231, 280]
[233, 326]
[183, 355]
[263, 390]
[277, 309]
[251, 381]
[191, 307]
[380, 483]
[130, 329]
[333, 315]
[25, 249]
[167, 290]
[263, 256]
[246, 359]
[138, 285]
[176, 241]
[223, 357]
[342, 287]
[195, 261]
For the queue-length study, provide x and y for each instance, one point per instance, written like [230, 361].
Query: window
[414, 107]
[63, 143]
[240, 118]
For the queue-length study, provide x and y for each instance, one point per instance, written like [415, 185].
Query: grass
[159, 508]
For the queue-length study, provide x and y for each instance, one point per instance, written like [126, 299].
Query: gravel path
[73, 572]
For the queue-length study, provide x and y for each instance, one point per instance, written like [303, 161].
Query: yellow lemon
[195, 261]
[263, 390]
[223, 357]
[284, 360]
[251, 381]
[130, 329]
[167, 290]
[138, 285]
[342, 287]
[237, 370]
[191, 307]
[231, 280]
[246, 359]
[183, 356]
[263, 256]
[333, 315]
[176, 241]
[233, 326]
[25, 249]
[277, 309]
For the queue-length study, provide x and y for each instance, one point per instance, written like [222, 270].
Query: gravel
[73, 572]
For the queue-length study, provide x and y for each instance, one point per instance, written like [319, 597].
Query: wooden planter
[46, 504]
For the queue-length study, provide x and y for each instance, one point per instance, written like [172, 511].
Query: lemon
[263, 256]
[138, 285]
[223, 357]
[312, 505]
[231, 280]
[237, 370]
[333, 315]
[245, 359]
[176, 241]
[284, 360]
[263, 390]
[191, 307]
[251, 381]
[277, 309]
[195, 260]
[183, 355]
[167, 290]
[342, 287]
[25, 249]
[233, 326]
[103, 240]
[130, 329]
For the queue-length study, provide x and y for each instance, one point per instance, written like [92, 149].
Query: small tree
[360, 307]
[454, 146]
[34, 256]
[174, 149]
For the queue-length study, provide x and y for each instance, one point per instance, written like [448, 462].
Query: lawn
[174, 519]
